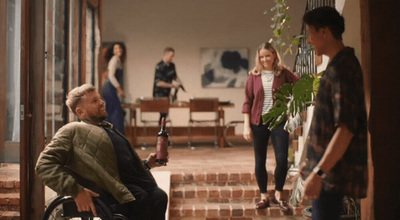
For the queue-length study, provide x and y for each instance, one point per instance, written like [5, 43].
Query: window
[11, 125]
[55, 66]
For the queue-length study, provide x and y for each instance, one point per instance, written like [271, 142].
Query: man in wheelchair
[94, 150]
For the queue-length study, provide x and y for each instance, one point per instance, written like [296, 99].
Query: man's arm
[334, 152]
[336, 148]
[175, 84]
[163, 84]
[51, 162]
[50, 168]
[160, 78]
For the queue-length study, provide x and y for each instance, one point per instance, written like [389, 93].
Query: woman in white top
[112, 90]
[262, 85]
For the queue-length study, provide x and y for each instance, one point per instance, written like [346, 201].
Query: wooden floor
[206, 156]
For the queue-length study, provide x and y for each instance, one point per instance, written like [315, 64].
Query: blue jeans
[280, 142]
[327, 207]
[113, 107]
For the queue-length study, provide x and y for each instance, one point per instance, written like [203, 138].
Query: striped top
[267, 78]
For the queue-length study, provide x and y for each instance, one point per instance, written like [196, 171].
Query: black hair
[326, 17]
[110, 51]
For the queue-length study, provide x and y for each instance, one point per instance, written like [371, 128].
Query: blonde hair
[74, 97]
[277, 65]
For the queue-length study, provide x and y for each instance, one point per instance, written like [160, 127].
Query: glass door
[55, 67]
[10, 149]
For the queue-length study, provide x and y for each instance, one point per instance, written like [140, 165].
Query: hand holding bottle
[151, 161]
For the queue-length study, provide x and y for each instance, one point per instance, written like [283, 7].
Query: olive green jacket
[87, 150]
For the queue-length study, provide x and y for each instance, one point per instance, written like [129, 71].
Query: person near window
[94, 150]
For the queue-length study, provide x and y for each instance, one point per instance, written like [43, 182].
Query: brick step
[227, 211]
[9, 202]
[9, 186]
[206, 178]
[224, 194]
[11, 190]
[9, 215]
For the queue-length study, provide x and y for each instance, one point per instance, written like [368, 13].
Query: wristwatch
[147, 165]
[319, 172]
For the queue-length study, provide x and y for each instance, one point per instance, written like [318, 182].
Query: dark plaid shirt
[340, 100]
[165, 73]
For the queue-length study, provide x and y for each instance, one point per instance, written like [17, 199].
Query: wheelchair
[64, 207]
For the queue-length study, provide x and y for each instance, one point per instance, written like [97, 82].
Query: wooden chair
[153, 106]
[200, 106]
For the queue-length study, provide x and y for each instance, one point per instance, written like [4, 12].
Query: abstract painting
[224, 67]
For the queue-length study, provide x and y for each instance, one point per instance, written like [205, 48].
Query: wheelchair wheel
[64, 207]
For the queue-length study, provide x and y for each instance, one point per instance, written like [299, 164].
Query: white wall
[352, 19]
[147, 27]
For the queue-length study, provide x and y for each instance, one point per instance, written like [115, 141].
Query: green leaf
[295, 42]
[299, 36]
[286, 89]
[276, 115]
[302, 93]
[316, 83]
[293, 99]
[282, 98]
[288, 50]
[280, 26]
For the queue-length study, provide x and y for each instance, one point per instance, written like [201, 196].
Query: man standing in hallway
[165, 77]
[336, 163]
[94, 150]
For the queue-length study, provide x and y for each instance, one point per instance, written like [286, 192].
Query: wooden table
[132, 107]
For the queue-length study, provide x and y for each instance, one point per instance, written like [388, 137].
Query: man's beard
[97, 119]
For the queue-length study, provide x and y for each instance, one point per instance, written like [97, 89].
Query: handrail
[305, 59]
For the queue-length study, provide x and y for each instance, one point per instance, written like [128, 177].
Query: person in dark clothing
[165, 77]
[337, 144]
[95, 150]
